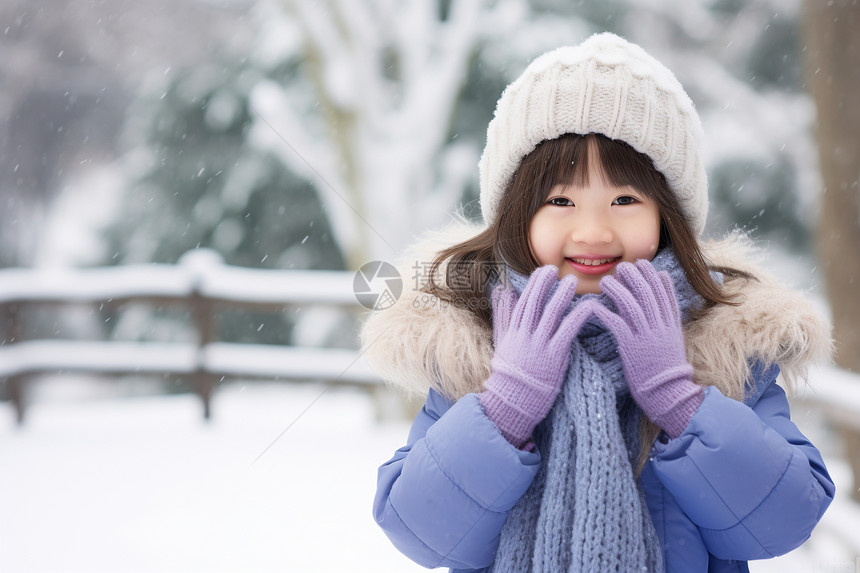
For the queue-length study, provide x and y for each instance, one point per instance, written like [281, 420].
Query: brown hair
[565, 160]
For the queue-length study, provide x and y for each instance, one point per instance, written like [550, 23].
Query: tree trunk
[833, 79]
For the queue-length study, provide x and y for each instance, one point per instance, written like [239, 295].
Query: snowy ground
[141, 484]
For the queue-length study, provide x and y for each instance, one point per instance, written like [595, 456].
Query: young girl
[600, 385]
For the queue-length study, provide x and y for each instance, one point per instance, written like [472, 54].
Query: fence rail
[835, 394]
[201, 285]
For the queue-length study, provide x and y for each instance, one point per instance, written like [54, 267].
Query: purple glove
[651, 344]
[532, 339]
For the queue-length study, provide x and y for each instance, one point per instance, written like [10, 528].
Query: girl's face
[587, 231]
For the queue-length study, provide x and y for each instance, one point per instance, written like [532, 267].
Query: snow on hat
[604, 85]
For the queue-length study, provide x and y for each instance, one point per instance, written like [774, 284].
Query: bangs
[570, 160]
[567, 160]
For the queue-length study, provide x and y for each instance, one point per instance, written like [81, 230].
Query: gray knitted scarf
[585, 511]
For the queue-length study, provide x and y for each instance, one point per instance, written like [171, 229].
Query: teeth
[593, 262]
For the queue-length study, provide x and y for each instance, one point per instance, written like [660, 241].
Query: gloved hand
[650, 341]
[533, 339]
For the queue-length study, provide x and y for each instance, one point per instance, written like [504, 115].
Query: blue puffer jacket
[741, 483]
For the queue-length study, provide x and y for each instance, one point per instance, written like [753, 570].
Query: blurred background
[187, 188]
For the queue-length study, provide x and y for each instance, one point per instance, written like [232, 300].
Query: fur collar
[423, 342]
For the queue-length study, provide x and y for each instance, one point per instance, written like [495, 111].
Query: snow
[839, 397]
[65, 355]
[143, 485]
[221, 358]
[368, 135]
[56, 283]
[267, 360]
[298, 287]
[71, 234]
[117, 484]
[200, 268]
[224, 359]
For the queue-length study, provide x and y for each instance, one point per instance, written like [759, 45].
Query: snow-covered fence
[200, 284]
[836, 395]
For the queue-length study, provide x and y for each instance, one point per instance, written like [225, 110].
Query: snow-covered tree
[348, 127]
[388, 115]
[740, 62]
[67, 73]
[382, 106]
[369, 121]
[195, 181]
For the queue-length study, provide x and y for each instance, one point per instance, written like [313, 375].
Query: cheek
[641, 242]
[647, 239]
[650, 244]
[540, 241]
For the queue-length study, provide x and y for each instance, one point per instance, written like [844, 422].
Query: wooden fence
[835, 395]
[204, 287]
[201, 286]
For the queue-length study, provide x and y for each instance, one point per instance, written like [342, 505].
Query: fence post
[851, 446]
[201, 307]
[202, 380]
[11, 317]
[15, 391]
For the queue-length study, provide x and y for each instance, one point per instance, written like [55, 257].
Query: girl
[600, 385]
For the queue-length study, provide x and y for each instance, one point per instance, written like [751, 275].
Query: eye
[625, 200]
[561, 202]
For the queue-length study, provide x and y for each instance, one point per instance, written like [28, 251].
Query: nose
[591, 230]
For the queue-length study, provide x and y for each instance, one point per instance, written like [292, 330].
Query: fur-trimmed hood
[422, 342]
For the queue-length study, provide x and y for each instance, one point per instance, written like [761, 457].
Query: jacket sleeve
[444, 497]
[745, 475]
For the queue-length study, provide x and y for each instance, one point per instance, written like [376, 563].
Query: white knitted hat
[604, 85]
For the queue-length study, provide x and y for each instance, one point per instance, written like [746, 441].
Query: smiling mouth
[592, 266]
[593, 262]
